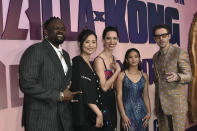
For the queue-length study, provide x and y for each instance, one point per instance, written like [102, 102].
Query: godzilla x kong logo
[141, 18]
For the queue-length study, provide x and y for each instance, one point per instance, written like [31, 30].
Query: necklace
[133, 73]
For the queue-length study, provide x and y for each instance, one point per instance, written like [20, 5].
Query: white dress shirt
[60, 55]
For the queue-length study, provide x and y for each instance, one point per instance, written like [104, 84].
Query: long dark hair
[125, 64]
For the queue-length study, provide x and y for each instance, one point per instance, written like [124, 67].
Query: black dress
[85, 80]
[109, 100]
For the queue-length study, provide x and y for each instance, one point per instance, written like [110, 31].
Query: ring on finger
[72, 100]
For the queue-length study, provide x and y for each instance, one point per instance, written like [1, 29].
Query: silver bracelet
[61, 96]
[148, 114]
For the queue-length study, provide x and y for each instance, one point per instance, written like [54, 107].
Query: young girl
[132, 94]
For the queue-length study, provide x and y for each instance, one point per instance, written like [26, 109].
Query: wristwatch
[61, 96]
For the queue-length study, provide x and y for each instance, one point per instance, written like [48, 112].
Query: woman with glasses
[172, 73]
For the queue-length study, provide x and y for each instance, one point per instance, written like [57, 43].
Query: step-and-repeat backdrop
[21, 26]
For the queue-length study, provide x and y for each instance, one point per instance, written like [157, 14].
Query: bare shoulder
[145, 75]
[121, 75]
[99, 65]
[98, 61]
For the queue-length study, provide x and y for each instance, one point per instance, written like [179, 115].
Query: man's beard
[57, 41]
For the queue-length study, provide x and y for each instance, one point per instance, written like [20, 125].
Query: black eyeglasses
[162, 36]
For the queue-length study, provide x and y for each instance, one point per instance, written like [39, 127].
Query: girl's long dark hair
[125, 64]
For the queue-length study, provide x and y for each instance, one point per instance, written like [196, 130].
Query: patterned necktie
[61, 56]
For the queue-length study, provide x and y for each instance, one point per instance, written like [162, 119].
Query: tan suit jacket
[171, 97]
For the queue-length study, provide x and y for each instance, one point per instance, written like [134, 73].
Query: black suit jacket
[42, 78]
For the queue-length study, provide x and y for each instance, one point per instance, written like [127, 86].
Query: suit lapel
[69, 72]
[54, 57]
[168, 57]
[66, 58]
[171, 53]
[157, 64]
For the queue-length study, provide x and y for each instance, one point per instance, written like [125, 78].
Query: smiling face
[110, 41]
[162, 38]
[55, 32]
[133, 59]
[89, 45]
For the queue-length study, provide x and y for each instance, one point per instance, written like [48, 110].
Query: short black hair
[84, 35]
[161, 26]
[47, 22]
[109, 28]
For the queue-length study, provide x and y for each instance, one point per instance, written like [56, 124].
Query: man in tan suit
[172, 71]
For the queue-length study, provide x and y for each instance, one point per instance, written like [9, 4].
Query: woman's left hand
[99, 121]
[115, 66]
[146, 120]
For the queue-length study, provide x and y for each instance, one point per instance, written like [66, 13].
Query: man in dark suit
[45, 74]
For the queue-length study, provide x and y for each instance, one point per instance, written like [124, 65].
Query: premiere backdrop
[21, 26]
